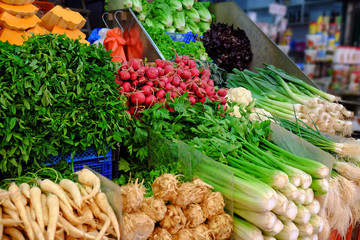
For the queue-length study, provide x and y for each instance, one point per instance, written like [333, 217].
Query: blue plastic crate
[182, 37]
[90, 158]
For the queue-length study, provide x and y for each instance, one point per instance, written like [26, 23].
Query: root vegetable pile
[188, 210]
[147, 84]
[58, 211]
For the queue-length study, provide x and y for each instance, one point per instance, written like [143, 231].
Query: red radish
[168, 87]
[166, 63]
[168, 69]
[177, 59]
[179, 71]
[209, 91]
[135, 63]
[180, 90]
[152, 73]
[149, 83]
[147, 90]
[161, 71]
[158, 61]
[146, 68]
[186, 67]
[128, 112]
[182, 65]
[185, 61]
[131, 70]
[222, 101]
[192, 100]
[202, 100]
[164, 79]
[162, 84]
[206, 72]
[132, 110]
[216, 97]
[141, 72]
[124, 66]
[170, 109]
[203, 83]
[183, 85]
[135, 83]
[126, 86]
[210, 82]
[133, 76]
[186, 74]
[121, 83]
[162, 100]
[137, 98]
[150, 100]
[194, 87]
[192, 64]
[200, 92]
[173, 94]
[176, 80]
[160, 93]
[142, 79]
[124, 75]
[222, 92]
[196, 79]
[195, 72]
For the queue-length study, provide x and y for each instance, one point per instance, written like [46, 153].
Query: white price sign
[277, 9]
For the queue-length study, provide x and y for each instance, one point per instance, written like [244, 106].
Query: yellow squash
[15, 23]
[64, 18]
[26, 10]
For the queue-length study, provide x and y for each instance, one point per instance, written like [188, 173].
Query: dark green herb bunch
[56, 96]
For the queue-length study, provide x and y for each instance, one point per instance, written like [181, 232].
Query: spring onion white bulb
[263, 220]
[305, 230]
[278, 227]
[266, 237]
[289, 232]
[245, 230]
[309, 196]
[282, 205]
[317, 222]
[320, 186]
[314, 207]
[303, 216]
[290, 191]
[301, 197]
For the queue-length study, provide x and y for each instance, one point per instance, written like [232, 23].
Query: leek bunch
[288, 97]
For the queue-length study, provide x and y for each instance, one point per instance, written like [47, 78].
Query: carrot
[35, 201]
[25, 189]
[52, 203]
[73, 231]
[103, 204]
[87, 177]
[73, 189]
[37, 230]
[14, 233]
[69, 215]
[44, 209]
[16, 197]
[51, 187]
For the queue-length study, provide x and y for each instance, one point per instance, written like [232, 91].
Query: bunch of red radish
[146, 84]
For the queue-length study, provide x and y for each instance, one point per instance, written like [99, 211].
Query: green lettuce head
[192, 15]
[163, 13]
[179, 20]
[175, 4]
[203, 10]
[187, 4]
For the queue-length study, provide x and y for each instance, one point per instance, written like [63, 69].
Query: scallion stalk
[309, 196]
[305, 230]
[317, 222]
[278, 227]
[263, 220]
[303, 216]
[246, 230]
[282, 205]
[314, 207]
[289, 232]
[320, 186]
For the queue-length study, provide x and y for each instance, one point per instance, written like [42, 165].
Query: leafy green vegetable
[137, 5]
[146, 9]
[57, 96]
[203, 10]
[179, 20]
[192, 15]
[166, 44]
[170, 29]
[193, 27]
[204, 26]
[188, 4]
[175, 4]
[128, 4]
[163, 13]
